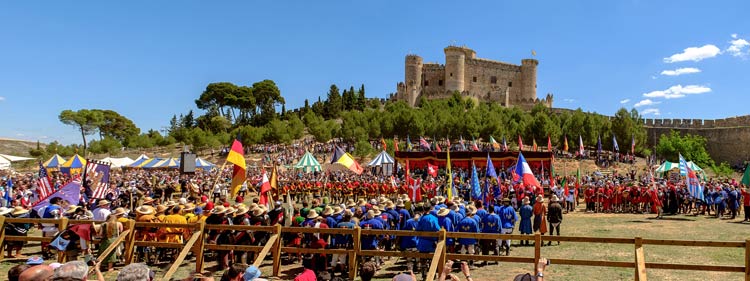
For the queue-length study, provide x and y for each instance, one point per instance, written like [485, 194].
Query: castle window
[493, 80]
[426, 83]
[440, 82]
[510, 84]
[475, 79]
[451, 74]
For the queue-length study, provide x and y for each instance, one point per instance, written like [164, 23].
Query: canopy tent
[73, 166]
[163, 163]
[54, 162]
[153, 163]
[667, 166]
[118, 162]
[308, 163]
[384, 162]
[5, 160]
[171, 163]
[140, 161]
[201, 163]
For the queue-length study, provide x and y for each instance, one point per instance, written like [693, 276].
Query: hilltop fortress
[482, 79]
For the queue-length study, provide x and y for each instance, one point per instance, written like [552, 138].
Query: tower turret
[528, 79]
[455, 68]
[413, 78]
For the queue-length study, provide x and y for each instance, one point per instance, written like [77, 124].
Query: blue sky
[149, 60]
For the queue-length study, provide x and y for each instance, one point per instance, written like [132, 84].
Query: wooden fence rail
[197, 244]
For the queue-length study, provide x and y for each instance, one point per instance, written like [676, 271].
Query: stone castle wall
[726, 139]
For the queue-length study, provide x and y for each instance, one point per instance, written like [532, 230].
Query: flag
[437, 147]
[236, 156]
[578, 178]
[432, 170]
[70, 192]
[580, 145]
[98, 173]
[565, 147]
[408, 143]
[474, 145]
[746, 177]
[599, 145]
[533, 144]
[523, 173]
[494, 143]
[564, 183]
[614, 143]
[632, 146]
[505, 145]
[416, 191]
[520, 143]
[694, 185]
[395, 144]
[44, 185]
[382, 143]
[490, 173]
[683, 166]
[274, 180]
[423, 143]
[449, 190]
[476, 192]
[552, 172]
[346, 160]
[461, 141]
[265, 187]
[9, 192]
[448, 143]
[549, 144]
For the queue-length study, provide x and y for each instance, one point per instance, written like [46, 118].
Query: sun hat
[160, 209]
[72, 209]
[18, 210]
[525, 201]
[218, 210]
[251, 273]
[312, 214]
[119, 212]
[337, 210]
[554, 198]
[144, 210]
[443, 212]
[5, 211]
[328, 211]
[103, 203]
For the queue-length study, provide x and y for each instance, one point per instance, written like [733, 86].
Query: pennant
[505, 145]
[274, 180]
[494, 143]
[463, 146]
[395, 144]
[632, 146]
[476, 192]
[424, 144]
[474, 145]
[580, 145]
[236, 156]
[599, 145]
[382, 143]
[450, 175]
[524, 174]
[408, 143]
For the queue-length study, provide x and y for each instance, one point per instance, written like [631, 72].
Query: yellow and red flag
[565, 147]
[236, 156]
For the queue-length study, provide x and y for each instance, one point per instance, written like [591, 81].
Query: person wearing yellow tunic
[173, 234]
[160, 209]
[121, 212]
[188, 212]
[199, 216]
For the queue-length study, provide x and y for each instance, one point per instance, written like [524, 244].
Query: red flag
[549, 144]
[437, 147]
[520, 143]
[382, 143]
[432, 170]
[265, 187]
[395, 144]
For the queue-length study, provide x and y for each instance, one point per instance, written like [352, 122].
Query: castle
[482, 79]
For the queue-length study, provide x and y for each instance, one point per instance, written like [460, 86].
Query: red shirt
[307, 275]
[745, 198]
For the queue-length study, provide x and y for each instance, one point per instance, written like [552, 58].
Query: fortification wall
[726, 139]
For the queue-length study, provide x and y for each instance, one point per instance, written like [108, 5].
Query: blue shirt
[482, 214]
[508, 217]
[491, 224]
[468, 224]
[370, 242]
[343, 239]
[409, 241]
[404, 217]
[427, 223]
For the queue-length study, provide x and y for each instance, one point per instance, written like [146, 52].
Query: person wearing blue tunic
[490, 224]
[721, 202]
[427, 223]
[525, 226]
[508, 217]
[445, 222]
[469, 225]
[733, 201]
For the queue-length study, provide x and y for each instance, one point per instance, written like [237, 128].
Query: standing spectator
[555, 217]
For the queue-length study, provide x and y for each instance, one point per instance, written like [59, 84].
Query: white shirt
[101, 214]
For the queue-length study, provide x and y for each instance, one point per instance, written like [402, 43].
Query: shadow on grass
[639, 221]
[671, 219]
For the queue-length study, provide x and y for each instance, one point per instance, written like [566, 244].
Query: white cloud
[20, 135]
[695, 54]
[654, 111]
[646, 102]
[2, 98]
[569, 100]
[737, 47]
[624, 101]
[44, 137]
[680, 71]
[734, 35]
[678, 91]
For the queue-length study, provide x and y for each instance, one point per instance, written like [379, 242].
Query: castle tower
[413, 78]
[528, 79]
[455, 68]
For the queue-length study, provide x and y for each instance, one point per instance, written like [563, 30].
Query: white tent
[118, 162]
[384, 162]
[5, 160]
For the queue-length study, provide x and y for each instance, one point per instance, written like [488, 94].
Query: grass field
[580, 224]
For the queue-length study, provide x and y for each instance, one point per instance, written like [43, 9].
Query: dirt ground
[575, 224]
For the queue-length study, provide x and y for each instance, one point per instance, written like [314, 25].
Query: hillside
[17, 147]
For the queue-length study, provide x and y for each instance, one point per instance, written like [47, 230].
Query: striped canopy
[666, 166]
[54, 162]
[73, 166]
[152, 163]
[140, 161]
[201, 163]
[382, 163]
[308, 163]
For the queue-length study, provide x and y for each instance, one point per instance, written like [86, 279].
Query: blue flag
[71, 192]
[8, 192]
[490, 168]
[599, 145]
[614, 142]
[476, 191]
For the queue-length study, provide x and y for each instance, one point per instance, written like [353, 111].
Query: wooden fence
[197, 244]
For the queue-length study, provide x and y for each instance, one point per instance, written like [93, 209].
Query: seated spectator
[367, 271]
[235, 272]
[135, 272]
[16, 271]
[37, 273]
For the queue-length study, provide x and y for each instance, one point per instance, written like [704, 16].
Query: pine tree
[361, 100]
[173, 126]
[188, 121]
[333, 103]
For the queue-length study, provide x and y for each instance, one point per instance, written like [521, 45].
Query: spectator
[135, 272]
[37, 273]
[252, 273]
[539, 272]
[16, 271]
[75, 270]
[235, 272]
[367, 271]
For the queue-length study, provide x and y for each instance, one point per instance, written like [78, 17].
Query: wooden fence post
[537, 250]
[199, 246]
[61, 226]
[640, 262]
[747, 259]
[277, 252]
[130, 242]
[2, 236]
[356, 236]
[441, 262]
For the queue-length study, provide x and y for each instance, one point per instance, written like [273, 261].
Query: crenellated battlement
[737, 121]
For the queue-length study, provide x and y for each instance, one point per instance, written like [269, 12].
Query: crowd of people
[345, 200]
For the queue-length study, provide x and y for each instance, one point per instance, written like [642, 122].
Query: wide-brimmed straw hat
[554, 198]
[350, 203]
[5, 211]
[327, 211]
[540, 198]
[337, 210]
[160, 209]
[471, 210]
[119, 212]
[103, 203]
[241, 210]
[18, 210]
[148, 200]
[72, 209]
[218, 210]
[144, 210]
[443, 212]
[376, 210]
[312, 214]
[525, 201]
